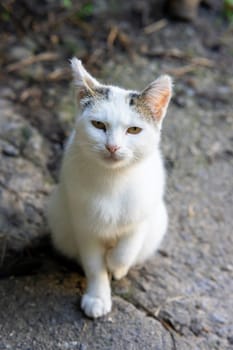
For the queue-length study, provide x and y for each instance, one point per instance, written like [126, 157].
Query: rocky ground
[182, 298]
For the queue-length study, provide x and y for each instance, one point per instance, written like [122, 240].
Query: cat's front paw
[95, 306]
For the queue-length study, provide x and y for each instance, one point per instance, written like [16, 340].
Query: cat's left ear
[85, 83]
[157, 96]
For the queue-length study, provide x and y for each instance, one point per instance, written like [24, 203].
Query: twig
[116, 34]
[59, 74]
[156, 26]
[124, 40]
[112, 36]
[178, 72]
[45, 56]
[191, 67]
[34, 92]
[174, 53]
[202, 61]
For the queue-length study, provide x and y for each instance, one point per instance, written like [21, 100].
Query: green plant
[86, 10]
[228, 9]
[5, 13]
[67, 3]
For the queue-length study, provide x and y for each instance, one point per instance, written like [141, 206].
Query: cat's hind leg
[157, 226]
[60, 224]
[138, 246]
[120, 258]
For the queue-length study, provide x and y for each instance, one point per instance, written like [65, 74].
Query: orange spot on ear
[156, 97]
[164, 98]
[159, 104]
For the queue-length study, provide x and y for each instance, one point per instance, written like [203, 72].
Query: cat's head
[118, 127]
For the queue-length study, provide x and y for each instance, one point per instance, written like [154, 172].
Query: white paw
[95, 306]
[118, 271]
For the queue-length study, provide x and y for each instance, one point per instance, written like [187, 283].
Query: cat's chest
[115, 206]
[109, 211]
[99, 204]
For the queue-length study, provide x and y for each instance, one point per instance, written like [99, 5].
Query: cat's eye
[98, 125]
[134, 130]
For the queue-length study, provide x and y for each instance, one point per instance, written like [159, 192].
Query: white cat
[108, 211]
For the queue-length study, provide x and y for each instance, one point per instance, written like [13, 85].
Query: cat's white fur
[108, 211]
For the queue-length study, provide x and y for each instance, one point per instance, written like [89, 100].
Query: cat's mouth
[112, 158]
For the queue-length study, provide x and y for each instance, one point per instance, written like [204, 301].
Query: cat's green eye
[98, 125]
[134, 130]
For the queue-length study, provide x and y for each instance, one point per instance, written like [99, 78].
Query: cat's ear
[85, 83]
[157, 96]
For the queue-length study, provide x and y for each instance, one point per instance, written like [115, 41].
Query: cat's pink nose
[112, 148]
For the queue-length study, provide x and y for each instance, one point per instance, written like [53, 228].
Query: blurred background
[129, 43]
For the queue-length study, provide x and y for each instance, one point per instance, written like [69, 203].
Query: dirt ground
[180, 299]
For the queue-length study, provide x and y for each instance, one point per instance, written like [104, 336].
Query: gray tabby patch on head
[88, 98]
[137, 102]
[153, 101]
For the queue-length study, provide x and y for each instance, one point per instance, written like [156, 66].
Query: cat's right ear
[84, 82]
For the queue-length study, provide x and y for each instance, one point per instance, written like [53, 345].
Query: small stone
[18, 53]
[196, 326]
[10, 151]
[218, 318]
[8, 93]
[82, 347]
[227, 267]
